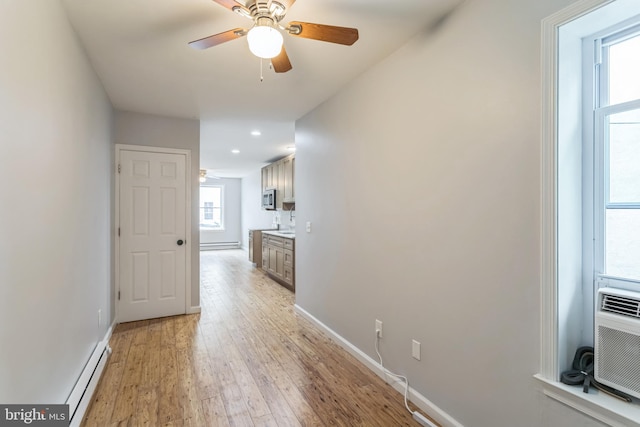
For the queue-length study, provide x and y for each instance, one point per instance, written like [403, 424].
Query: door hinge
[118, 295]
[118, 231]
[119, 168]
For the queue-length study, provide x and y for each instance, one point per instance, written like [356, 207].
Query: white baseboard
[193, 309]
[418, 399]
[82, 392]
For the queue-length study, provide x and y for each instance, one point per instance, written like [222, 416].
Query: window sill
[600, 406]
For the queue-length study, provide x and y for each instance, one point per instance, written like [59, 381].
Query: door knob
[180, 242]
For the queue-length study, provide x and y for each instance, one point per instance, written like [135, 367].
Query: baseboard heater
[82, 392]
[219, 245]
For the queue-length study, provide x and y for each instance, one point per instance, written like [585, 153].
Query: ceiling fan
[265, 39]
[204, 175]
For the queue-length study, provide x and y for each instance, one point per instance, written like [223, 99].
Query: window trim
[601, 407]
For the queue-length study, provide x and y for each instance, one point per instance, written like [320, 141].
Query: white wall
[286, 218]
[253, 216]
[422, 181]
[55, 204]
[231, 213]
[156, 131]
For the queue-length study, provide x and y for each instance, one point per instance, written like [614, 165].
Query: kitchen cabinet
[275, 254]
[288, 193]
[288, 262]
[279, 171]
[265, 178]
[276, 261]
[279, 259]
[255, 247]
[275, 175]
[251, 248]
[281, 176]
[271, 175]
[265, 254]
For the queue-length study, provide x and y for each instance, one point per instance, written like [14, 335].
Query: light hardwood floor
[246, 360]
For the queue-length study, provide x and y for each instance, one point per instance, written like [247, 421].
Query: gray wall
[422, 181]
[253, 216]
[231, 212]
[55, 208]
[156, 131]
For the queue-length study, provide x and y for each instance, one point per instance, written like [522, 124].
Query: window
[208, 211]
[582, 182]
[617, 154]
[211, 206]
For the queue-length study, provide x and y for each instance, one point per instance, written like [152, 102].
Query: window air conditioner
[617, 340]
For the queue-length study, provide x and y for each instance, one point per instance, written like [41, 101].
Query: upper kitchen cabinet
[279, 170]
[265, 178]
[288, 171]
[280, 175]
[270, 176]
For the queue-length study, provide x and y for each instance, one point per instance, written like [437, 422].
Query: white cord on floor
[415, 414]
[388, 372]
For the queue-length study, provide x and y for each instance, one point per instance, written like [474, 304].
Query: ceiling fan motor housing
[273, 10]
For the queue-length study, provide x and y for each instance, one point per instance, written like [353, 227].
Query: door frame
[188, 232]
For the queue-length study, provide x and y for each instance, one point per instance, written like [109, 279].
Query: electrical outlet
[415, 350]
[379, 328]
[308, 226]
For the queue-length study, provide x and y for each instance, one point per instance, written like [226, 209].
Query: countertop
[282, 233]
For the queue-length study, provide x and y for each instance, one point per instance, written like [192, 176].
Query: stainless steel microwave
[269, 199]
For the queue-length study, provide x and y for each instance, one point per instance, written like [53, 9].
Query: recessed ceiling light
[256, 133]
[291, 148]
[235, 151]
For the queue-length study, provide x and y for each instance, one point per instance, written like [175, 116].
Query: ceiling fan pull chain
[261, 75]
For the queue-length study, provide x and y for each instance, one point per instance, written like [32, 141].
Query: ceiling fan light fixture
[264, 40]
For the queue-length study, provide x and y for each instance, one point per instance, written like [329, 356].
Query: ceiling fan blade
[217, 39]
[325, 33]
[281, 63]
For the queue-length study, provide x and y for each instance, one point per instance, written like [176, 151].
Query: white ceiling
[139, 49]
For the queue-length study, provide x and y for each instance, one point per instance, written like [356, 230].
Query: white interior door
[152, 243]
